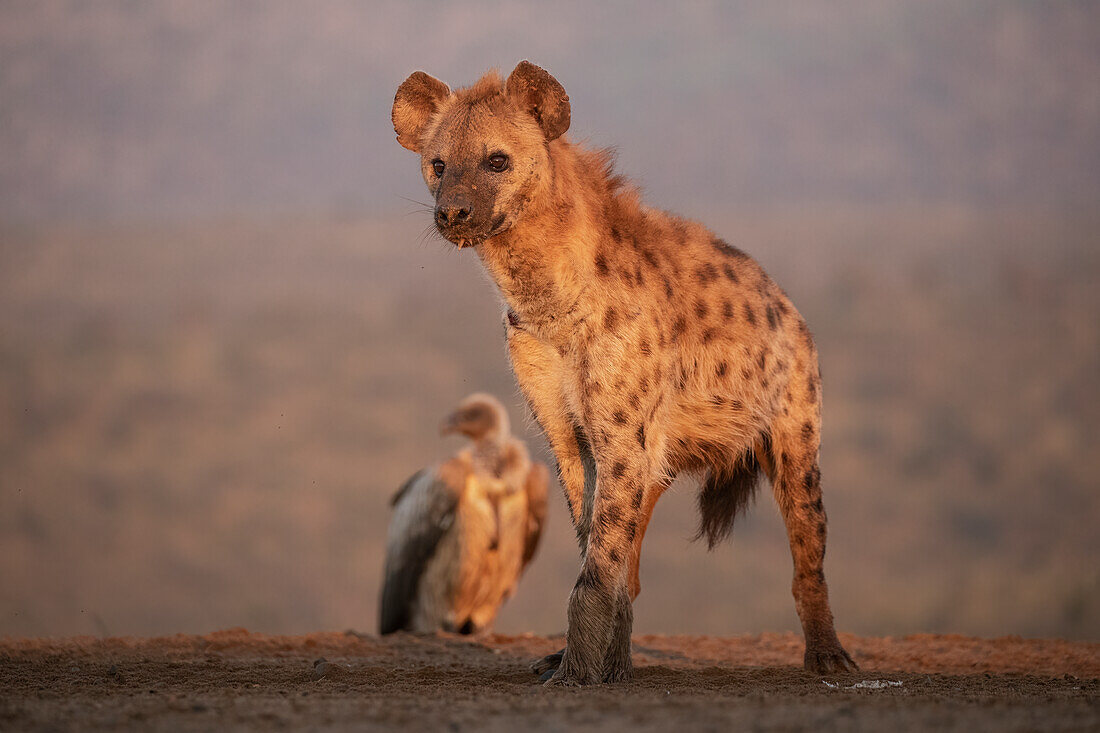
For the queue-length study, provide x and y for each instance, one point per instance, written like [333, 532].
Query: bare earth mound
[244, 681]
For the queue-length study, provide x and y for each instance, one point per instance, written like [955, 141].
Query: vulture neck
[488, 452]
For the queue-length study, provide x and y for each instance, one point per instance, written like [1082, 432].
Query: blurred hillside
[117, 110]
[200, 425]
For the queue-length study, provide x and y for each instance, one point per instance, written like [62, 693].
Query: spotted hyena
[645, 345]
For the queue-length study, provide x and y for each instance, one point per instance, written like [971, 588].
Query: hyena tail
[727, 491]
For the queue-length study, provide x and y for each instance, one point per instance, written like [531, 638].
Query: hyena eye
[498, 162]
[437, 166]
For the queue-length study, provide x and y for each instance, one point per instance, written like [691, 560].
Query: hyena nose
[452, 212]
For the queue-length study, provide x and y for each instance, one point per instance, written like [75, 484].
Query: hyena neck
[543, 265]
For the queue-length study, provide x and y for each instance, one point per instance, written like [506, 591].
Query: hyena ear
[541, 95]
[416, 101]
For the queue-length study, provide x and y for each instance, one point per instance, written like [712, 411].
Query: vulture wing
[538, 481]
[423, 512]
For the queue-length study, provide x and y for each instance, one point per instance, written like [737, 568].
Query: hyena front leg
[617, 661]
[597, 646]
[539, 371]
[796, 480]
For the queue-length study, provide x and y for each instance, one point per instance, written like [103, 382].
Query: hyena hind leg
[796, 479]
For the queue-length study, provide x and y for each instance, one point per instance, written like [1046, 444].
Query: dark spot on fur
[631, 530]
[619, 417]
[811, 388]
[616, 234]
[641, 435]
[648, 256]
[596, 537]
[668, 287]
[513, 318]
[709, 335]
[737, 405]
[762, 360]
[773, 318]
[618, 470]
[727, 310]
[643, 347]
[729, 272]
[639, 276]
[601, 265]
[811, 478]
[611, 516]
[701, 309]
[728, 250]
[610, 318]
[639, 494]
[821, 531]
[750, 316]
[706, 273]
[720, 370]
[718, 400]
[679, 327]
[807, 432]
[615, 556]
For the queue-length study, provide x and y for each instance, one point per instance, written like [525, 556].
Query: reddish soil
[239, 680]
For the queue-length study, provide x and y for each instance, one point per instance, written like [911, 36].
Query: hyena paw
[617, 664]
[565, 678]
[828, 659]
[571, 673]
[620, 671]
[548, 663]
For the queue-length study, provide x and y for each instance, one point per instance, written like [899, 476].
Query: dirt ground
[237, 680]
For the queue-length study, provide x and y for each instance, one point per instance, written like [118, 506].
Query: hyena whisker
[420, 206]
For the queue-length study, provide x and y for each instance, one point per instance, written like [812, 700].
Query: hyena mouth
[466, 239]
[462, 241]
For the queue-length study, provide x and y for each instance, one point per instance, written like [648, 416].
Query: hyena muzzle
[645, 346]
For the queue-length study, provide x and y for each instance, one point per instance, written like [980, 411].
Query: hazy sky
[176, 108]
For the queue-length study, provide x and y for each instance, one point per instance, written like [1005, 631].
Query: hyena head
[483, 150]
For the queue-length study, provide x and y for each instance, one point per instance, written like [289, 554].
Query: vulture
[461, 533]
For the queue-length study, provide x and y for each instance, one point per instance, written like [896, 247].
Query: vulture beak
[450, 425]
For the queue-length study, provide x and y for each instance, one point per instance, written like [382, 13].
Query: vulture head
[479, 417]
